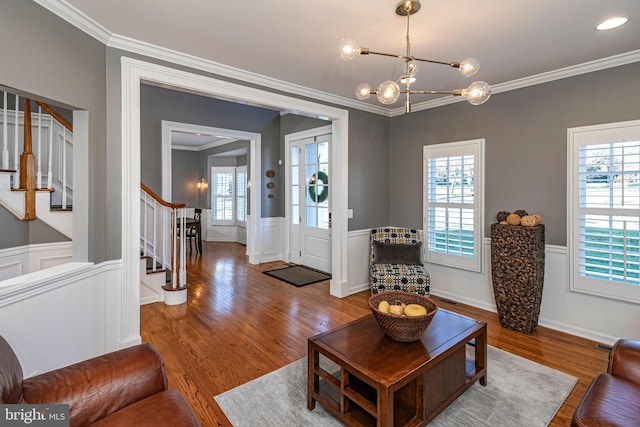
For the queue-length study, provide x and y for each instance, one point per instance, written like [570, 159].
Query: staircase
[36, 179]
[163, 271]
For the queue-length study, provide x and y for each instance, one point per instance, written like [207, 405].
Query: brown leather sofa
[613, 399]
[125, 388]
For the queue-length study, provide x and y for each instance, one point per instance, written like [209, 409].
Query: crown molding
[147, 49]
[83, 22]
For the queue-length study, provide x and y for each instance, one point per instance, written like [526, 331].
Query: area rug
[518, 393]
[298, 275]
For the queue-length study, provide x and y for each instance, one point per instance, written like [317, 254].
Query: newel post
[28, 166]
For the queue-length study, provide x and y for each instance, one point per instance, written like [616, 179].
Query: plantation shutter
[604, 210]
[453, 200]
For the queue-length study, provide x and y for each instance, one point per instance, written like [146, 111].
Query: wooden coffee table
[383, 383]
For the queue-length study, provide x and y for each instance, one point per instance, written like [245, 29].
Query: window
[604, 210]
[241, 194]
[222, 194]
[453, 203]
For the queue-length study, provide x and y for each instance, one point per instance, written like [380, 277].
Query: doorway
[308, 197]
[134, 72]
[225, 136]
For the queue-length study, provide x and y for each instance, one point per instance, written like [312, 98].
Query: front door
[309, 202]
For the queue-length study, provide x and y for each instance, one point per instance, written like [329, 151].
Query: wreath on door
[323, 178]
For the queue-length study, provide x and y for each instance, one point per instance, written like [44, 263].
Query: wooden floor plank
[239, 324]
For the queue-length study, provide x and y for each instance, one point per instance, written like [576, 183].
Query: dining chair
[193, 230]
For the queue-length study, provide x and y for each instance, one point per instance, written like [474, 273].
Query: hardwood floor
[239, 324]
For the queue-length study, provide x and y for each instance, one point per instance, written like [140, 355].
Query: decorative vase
[517, 270]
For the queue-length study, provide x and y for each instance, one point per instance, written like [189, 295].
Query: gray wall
[526, 143]
[186, 170]
[369, 178]
[52, 59]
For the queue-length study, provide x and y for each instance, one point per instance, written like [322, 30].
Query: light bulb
[347, 49]
[477, 93]
[469, 67]
[363, 91]
[388, 92]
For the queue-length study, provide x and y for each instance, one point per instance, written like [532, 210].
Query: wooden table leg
[313, 381]
[385, 407]
[481, 354]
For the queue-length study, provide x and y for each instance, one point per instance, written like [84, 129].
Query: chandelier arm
[453, 64]
[455, 92]
[392, 55]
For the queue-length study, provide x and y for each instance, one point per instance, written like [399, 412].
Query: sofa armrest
[100, 386]
[624, 360]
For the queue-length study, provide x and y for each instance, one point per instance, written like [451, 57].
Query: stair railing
[160, 221]
[26, 168]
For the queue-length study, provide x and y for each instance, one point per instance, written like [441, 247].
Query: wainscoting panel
[57, 307]
[271, 242]
[26, 259]
[10, 269]
[358, 253]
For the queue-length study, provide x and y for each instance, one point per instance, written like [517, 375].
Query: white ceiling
[295, 41]
[196, 141]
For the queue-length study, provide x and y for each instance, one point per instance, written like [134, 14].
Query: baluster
[163, 229]
[155, 234]
[5, 149]
[50, 155]
[39, 151]
[183, 259]
[64, 168]
[145, 234]
[16, 165]
[174, 247]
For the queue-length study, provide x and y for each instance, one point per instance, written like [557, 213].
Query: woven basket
[403, 328]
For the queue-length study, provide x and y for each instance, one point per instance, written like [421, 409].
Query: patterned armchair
[395, 261]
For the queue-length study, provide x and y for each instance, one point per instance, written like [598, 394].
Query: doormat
[298, 275]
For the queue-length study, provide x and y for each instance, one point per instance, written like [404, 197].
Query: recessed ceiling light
[611, 23]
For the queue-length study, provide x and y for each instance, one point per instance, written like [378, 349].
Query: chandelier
[389, 91]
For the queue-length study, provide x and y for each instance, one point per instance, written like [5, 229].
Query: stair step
[58, 208]
[8, 170]
[159, 269]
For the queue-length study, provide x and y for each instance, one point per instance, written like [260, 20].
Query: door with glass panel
[309, 202]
